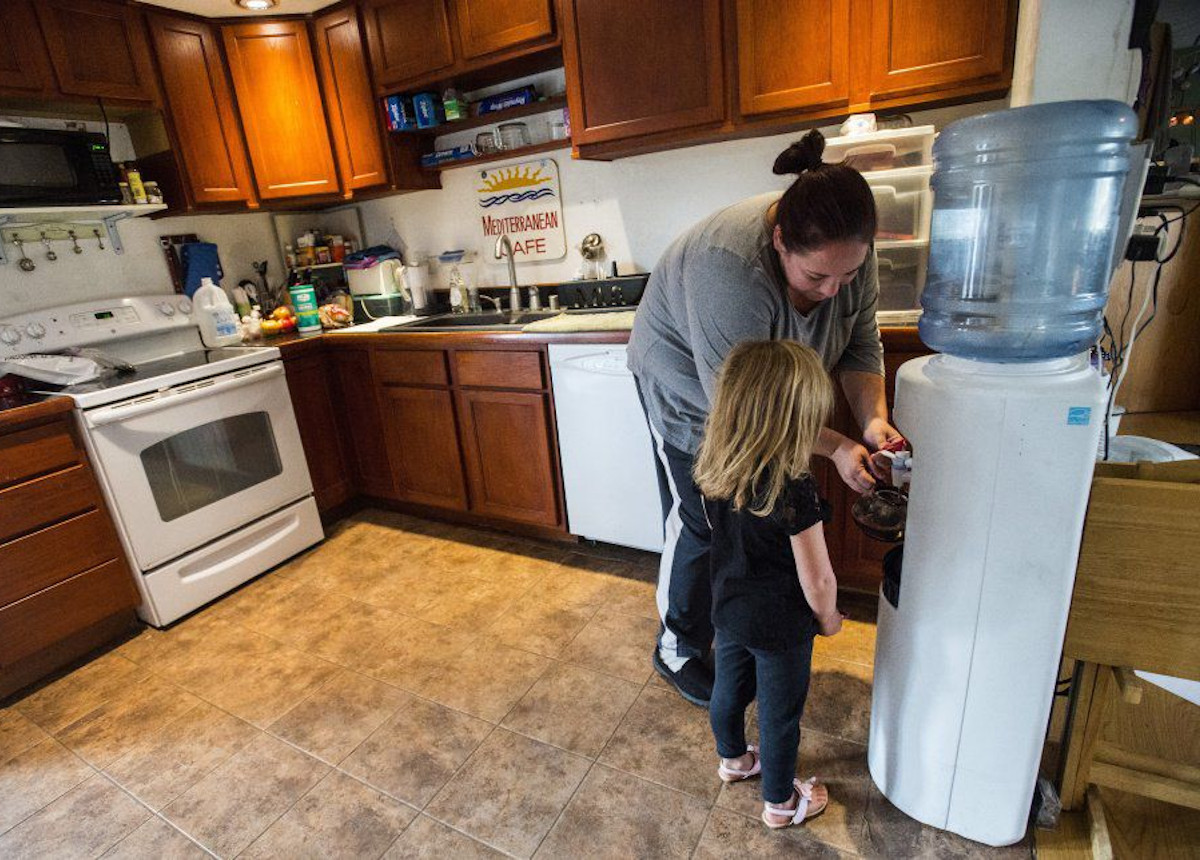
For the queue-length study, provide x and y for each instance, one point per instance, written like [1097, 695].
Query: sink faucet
[503, 249]
[495, 301]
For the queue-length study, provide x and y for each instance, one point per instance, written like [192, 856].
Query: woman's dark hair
[826, 203]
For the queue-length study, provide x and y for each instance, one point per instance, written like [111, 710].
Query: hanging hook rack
[59, 222]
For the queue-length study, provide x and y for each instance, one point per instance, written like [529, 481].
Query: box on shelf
[883, 150]
[901, 276]
[903, 202]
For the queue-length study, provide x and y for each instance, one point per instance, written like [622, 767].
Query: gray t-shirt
[720, 284]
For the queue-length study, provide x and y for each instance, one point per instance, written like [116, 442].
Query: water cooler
[1004, 425]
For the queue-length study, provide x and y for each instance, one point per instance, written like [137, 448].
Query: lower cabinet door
[362, 426]
[310, 385]
[423, 446]
[507, 443]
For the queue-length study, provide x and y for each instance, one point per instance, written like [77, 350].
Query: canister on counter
[304, 302]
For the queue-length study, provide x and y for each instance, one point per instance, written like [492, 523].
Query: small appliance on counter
[377, 287]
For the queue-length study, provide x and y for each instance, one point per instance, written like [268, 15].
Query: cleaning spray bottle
[215, 315]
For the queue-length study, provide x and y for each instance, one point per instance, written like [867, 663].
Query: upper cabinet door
[408, 39]
[24, 59]
[280, 106]
[349, 100]
[487, 26]
[98, 49]
[919, 45]
[206, 133]
[792, 55]
[636, 68]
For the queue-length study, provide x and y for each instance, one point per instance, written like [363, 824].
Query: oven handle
[113, 414]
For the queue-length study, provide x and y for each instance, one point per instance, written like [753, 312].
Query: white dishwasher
[607, 456]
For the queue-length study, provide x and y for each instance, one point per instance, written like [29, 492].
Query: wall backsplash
[639, 205]
[142, 269]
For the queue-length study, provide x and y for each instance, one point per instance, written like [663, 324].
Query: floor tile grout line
[153, 814]
[53, 800]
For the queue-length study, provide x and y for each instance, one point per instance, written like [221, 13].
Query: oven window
[211, 462]
[36, 165]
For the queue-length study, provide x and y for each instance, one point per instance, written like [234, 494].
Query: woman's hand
[831, 624]
[853, 463]
[879, 433]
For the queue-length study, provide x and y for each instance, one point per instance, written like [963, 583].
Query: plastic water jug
[215, 315]
[1025, 221]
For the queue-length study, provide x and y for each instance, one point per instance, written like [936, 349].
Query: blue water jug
[1025, 221]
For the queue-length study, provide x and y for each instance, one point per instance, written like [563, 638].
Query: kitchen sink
[473, 322]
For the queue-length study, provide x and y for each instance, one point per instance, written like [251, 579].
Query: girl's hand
[853, 463]
[831, 624]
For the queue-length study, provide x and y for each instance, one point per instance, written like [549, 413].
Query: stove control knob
[37, 331]
[166, 309]
[184, 305]
[10, 336]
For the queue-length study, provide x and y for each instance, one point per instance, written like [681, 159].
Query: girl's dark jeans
[780, 679]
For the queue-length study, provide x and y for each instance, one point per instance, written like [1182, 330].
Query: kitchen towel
[199, 260]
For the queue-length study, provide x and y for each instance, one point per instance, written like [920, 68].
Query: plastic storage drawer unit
[903, 203]
[883, 150]
[901, 277]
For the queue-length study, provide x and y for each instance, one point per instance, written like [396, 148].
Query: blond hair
[772, 399]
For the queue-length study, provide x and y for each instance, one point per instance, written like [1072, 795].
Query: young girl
[773, 586]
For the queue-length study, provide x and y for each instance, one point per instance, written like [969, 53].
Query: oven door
[189, 464]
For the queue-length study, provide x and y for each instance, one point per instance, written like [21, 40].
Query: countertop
[895, 339]
[35, 409]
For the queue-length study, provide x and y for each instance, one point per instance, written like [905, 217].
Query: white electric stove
[196, 449]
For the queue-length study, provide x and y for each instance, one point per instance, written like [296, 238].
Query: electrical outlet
[1148, 243]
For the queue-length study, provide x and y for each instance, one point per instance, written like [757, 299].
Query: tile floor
[411, 689]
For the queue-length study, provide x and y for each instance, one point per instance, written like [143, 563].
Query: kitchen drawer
[411, 367]
[49, 499]
[48, 556]
[494, 369]
[53, 614]
[35, 451]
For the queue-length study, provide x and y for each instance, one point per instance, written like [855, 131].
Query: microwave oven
[47, 167]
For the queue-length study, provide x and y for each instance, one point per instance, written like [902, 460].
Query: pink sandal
[805, 809]
[730, 774]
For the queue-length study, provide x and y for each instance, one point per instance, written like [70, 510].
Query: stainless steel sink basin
[473, 322]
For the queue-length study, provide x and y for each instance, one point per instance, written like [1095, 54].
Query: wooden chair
[1136, 605]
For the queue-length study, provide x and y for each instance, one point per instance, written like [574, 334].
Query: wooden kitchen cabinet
[312, 386]
[488, 26]
[423, 446]
[923, 45]
[792, 56]
[361, 422]
[636, 68]
[98, 49]
[279, 102]
[199, 101]
[407, 40]
[24, 58]
[65, 587]
[647, 77]
[506, 441]
[350, 100]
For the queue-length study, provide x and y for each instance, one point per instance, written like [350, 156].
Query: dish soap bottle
[215, 315]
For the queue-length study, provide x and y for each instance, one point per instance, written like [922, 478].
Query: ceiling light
[256, 5]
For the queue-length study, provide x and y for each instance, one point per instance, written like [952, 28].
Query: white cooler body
[965, 663]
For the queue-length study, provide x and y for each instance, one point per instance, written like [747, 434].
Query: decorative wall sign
[524, 201]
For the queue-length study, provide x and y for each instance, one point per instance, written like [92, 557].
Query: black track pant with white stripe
[684, 586]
